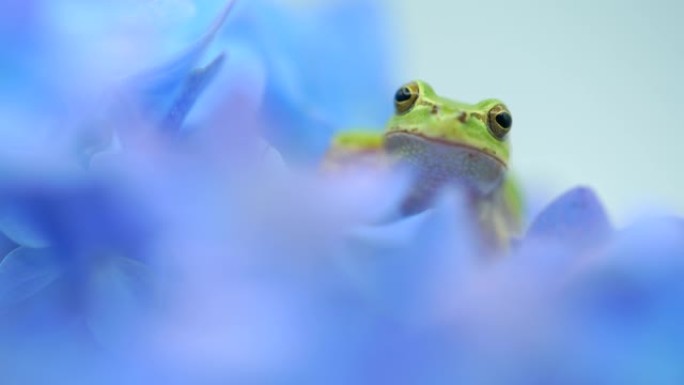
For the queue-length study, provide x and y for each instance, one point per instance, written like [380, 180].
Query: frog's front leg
[355, 149]
[500, 216]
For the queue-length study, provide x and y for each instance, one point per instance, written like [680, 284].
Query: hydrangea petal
[304, 104]
[194, 86]
[120, 291]
[624, 308]
[158, 88]
[20, 227]
[576, 218]
[26, 271]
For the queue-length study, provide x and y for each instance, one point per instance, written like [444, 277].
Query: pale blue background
[596, 87]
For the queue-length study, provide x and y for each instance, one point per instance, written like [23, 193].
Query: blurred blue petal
[193, 87]
[402, 264]
[20, 38]
[21, 228]
[304, 102]
[24, 272]
[576, 219]
[6, 245]
[161, 97]
[120, 292]
[639, 272]
[78, 224]
[567, 232]
[180, 80]
[627, 306]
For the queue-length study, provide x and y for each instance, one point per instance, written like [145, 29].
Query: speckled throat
[438, 164]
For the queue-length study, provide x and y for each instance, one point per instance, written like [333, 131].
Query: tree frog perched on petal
[445, 143]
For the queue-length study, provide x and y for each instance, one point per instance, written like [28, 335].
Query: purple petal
[576, 218]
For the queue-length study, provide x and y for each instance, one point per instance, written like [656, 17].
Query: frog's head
[450, 141]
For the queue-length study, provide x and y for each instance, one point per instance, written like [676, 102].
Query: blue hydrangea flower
[144, 239]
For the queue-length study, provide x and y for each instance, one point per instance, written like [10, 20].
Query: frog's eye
[406, 98]
[500, 122]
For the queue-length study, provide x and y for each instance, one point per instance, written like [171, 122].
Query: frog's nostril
[462, 117]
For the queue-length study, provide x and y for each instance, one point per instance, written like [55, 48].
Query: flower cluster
[164, 227]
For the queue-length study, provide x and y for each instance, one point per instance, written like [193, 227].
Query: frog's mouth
[440, 162]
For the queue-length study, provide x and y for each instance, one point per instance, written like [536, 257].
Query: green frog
[445, 143]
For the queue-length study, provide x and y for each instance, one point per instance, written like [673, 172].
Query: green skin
[448, 143]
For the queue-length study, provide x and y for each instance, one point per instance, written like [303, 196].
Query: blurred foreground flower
[144, 244]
